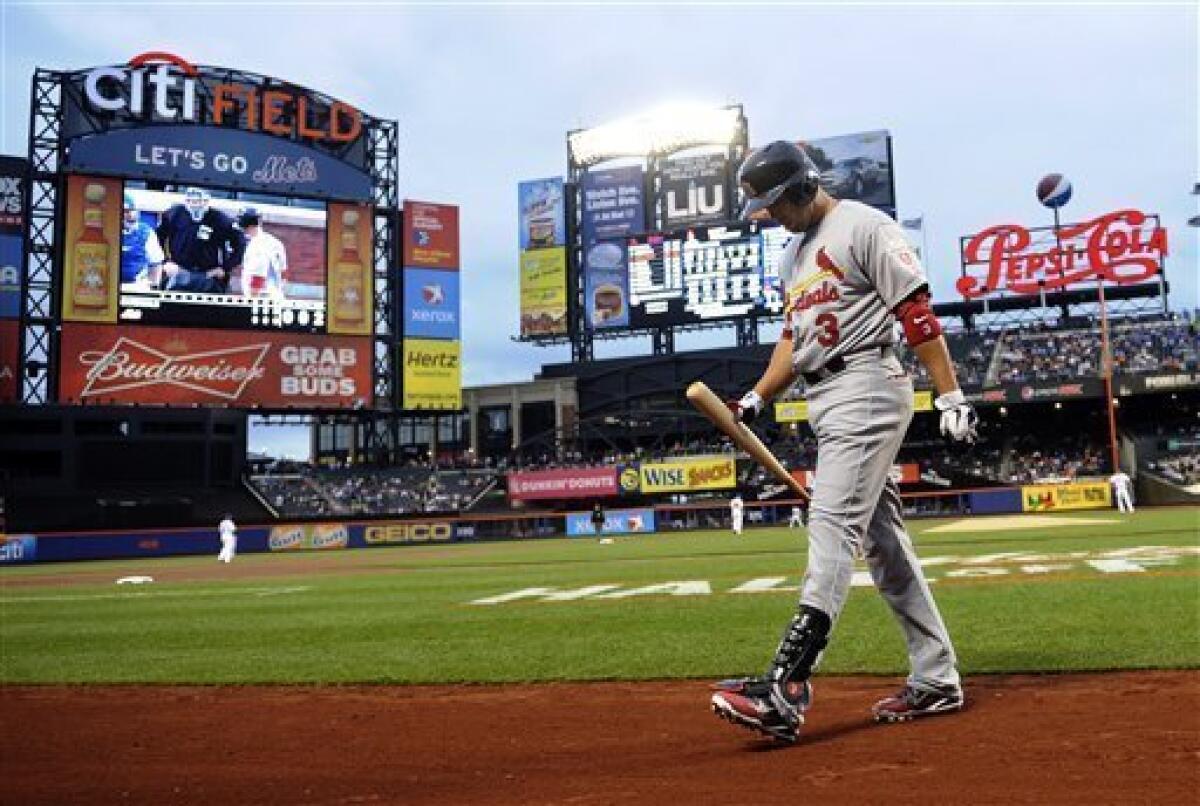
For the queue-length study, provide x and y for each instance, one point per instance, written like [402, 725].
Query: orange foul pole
[1107, 371]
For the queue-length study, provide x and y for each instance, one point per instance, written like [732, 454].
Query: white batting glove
[749, 407]
[958, 418]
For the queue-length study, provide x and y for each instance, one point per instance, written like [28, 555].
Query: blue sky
[981, 100]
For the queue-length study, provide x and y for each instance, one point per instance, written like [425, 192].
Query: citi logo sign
[163, 87]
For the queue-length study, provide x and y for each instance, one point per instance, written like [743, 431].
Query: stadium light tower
[669, 128]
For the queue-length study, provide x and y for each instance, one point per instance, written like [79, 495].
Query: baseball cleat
[760, 705]
[911, 702]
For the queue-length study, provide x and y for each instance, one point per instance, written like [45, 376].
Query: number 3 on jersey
[829, 335]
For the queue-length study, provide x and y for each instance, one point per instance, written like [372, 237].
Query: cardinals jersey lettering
[842, 280]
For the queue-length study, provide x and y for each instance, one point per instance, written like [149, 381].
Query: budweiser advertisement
[588, 482]
[1122, 247]
[106, 364]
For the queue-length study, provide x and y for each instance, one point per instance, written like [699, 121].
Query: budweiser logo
[129, 364]
[1116, 248]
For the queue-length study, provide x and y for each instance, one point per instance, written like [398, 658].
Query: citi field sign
[140, 119]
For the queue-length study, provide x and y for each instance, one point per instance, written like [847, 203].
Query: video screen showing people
[189, 258]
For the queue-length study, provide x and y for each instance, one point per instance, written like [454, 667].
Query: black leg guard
[801, 646]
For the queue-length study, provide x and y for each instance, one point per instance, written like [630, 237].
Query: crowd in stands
[396, 491]
[1038, 459]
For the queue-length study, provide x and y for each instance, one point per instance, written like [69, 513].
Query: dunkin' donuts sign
[106, 364]
[1122, 247]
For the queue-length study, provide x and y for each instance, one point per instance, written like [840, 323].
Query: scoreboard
[704, 274]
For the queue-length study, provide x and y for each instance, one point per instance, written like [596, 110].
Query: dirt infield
[1054, 739]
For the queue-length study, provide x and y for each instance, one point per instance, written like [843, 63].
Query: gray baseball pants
[860, 416]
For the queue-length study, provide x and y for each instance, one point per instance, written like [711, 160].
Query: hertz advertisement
[1055, 497]
[685, 475]
[432, 374]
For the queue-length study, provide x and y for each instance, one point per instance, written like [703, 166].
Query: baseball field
[569, 670]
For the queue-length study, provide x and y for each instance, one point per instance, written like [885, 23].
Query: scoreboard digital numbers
[704, 274]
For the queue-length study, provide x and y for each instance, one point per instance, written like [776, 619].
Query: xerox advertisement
[102, 364]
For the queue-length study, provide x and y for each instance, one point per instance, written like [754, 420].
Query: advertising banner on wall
[16, 549]
[857, 166]
[695, 190]
[1054, 497]
[431, 236]
[92, 258]
[541, 213]
[146, 365]
[544, 292]
[613, 203]
[12, 220]
[10, 360]
[683, 475]
[432, 374]
[160, 116]
[351, 255]
[616, 522]
[309, 536]
[1124, 247]
[606, 285]
[431, 304]
[584, 482]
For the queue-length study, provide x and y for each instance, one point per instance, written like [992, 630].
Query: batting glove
[749, 407]
[959, 420]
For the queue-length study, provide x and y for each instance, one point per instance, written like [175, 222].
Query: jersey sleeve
[890, 263]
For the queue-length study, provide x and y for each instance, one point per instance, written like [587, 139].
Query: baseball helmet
[249, 217]
[768, 172]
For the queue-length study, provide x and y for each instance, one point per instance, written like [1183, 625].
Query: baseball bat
[712, 407]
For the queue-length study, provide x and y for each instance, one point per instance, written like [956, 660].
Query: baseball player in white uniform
[849, 274]
[797, 518]
[737, 513]
[228, 531]
[1122, 490]
[265, 260]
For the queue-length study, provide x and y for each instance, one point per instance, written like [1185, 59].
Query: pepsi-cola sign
[1122, 247]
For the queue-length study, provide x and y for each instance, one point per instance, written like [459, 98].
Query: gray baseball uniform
[842, 280]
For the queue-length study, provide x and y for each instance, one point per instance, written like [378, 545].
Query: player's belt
[838, 363]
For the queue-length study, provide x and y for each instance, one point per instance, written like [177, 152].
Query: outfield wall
[337, 535]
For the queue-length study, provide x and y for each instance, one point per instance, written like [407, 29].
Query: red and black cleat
[911, 702]
[760, 705]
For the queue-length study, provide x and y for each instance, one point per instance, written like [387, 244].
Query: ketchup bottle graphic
[348, 273]
[91, 253]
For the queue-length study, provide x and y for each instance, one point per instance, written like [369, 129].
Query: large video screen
[191, 261]
[699, 274]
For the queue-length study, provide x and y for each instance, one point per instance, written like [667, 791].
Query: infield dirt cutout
[1100, 738]
[1003, 523]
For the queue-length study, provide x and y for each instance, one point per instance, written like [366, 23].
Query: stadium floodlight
[667, 129]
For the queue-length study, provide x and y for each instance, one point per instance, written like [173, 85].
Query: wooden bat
[712, 407]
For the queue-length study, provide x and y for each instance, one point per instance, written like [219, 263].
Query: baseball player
[141, 254]
[848, 274]
[228, 531]
[797, 518]
[1122, 490]
[265, 260]
[737, 513]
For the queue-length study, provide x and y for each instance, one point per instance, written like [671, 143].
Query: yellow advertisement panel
[1054, 497]
[791, 411]
[544, 292]
[349, 255]
[432, 374]
[92, 263]
[701, 473]
[795, 411]
[301, 537]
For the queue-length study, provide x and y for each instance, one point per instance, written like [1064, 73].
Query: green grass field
[1123, 593]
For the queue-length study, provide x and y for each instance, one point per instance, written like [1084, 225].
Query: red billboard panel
[587, 482]
[430, 235]
[106, 364]
[10, 357]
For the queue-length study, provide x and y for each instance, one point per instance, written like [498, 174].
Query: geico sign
[162, 86]
[409, 533]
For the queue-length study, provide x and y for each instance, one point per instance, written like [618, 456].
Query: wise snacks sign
[684, 475]
[1122, 247]
[107, 364]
